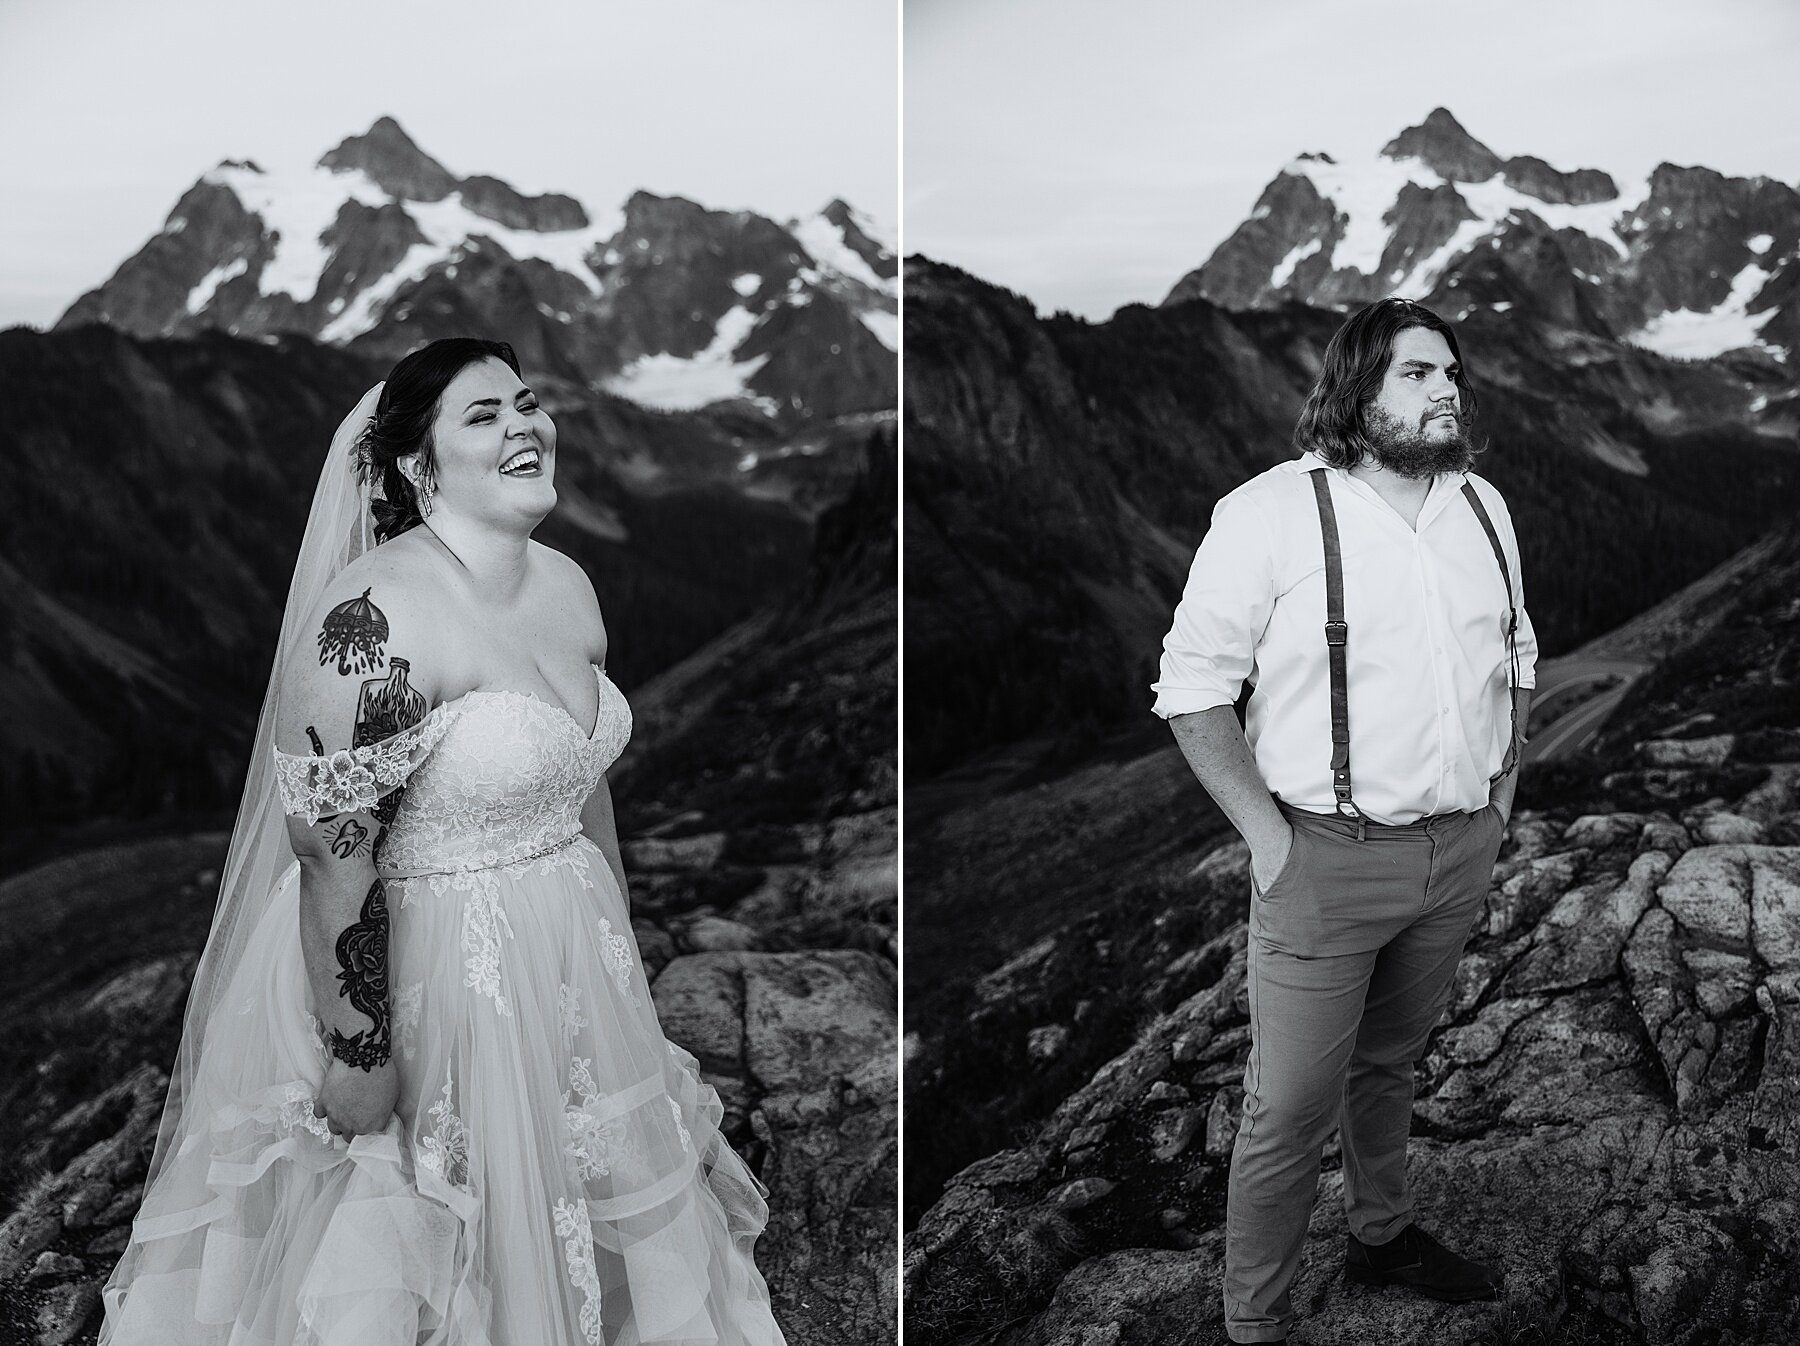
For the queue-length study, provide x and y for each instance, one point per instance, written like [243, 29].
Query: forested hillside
[1059, 474]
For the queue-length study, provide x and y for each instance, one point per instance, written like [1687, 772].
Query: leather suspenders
[1337, 640]
[1512, 627]
[1337, 648]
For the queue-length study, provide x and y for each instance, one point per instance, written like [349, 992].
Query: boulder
[683, 853]
[65, 1311]
[148, 992]
[1048, 1042]
[1687, 752]
[1708, 891]
[656, 949]
[1135, 1296]
[1580, 938]
[1530, 892]
[1597, 831]
[1174, 1131]
[25, 1234]
[715, 934]
[1665, 835]
[1222, 1121]
[1775, 906]
[806, 1042]
[1610, 1111]
[1724, 829]
[54, 1267]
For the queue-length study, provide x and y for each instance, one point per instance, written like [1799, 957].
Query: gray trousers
[1353, 949]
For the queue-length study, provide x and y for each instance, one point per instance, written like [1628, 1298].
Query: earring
[423, 489]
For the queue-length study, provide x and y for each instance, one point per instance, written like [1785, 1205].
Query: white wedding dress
[554, 1172]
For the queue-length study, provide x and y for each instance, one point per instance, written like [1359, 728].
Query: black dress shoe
[1420, 1262]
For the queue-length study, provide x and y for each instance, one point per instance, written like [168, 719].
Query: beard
[1419, 450]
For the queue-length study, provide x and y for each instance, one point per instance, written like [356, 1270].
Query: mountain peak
[393, 161]
[1441, 143]
[647, 213]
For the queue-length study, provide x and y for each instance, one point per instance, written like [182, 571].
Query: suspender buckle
[1337, 633]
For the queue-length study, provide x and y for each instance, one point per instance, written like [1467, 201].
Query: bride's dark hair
[402, 424]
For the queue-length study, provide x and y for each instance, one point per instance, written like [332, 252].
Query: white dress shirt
[1427, 661]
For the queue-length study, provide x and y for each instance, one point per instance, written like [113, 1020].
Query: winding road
[1570, 732]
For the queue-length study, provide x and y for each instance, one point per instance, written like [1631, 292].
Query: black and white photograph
[1351, 634]
[449, 673]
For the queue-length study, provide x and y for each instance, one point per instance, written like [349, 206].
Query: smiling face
[494, 448]
[1414, 423]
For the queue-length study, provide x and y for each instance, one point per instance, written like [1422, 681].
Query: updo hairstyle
[402, 425]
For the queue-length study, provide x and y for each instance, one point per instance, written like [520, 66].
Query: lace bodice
[492, 778]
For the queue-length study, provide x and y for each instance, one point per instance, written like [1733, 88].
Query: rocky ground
[1609, 1111]
[1610, 1108]
[798, 1040]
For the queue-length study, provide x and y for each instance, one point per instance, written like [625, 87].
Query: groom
[1366, 597]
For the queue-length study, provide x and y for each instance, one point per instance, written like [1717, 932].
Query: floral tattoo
[362, 953]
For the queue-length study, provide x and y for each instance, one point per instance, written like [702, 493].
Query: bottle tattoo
[384, 707]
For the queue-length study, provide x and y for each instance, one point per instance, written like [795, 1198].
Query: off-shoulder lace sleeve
[352, 779]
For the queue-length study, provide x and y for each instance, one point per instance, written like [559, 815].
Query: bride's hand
[355, 1102]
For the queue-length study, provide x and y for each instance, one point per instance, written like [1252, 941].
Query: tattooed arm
[358, 683]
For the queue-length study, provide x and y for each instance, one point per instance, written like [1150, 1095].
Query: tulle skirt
[554, 1172]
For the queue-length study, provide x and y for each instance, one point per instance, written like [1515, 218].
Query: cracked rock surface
[1610, 1110]
[798, 1039]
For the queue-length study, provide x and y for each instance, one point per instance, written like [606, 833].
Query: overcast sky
[1089, 154]
[110, 109]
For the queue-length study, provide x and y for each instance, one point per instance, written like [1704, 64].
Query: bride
[422, 1096]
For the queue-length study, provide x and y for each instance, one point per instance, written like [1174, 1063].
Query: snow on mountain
[1682, 262]
[300, 210]
[379, 247]
[885, 326]
[1687, 335]
[297, 210]
[687, 383]
[824, 241]
[1284, 269]
[1365, 195]
[201, 295]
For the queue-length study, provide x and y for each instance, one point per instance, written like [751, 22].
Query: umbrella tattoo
[353, 634]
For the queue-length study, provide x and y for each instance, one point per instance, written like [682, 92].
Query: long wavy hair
[402, 424]
[1332, 424]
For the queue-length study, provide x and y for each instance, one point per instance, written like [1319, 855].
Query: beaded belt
[508, 863]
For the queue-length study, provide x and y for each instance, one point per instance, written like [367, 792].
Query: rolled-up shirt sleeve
[1224, 610]
[1528, 651]
[1525, 639]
